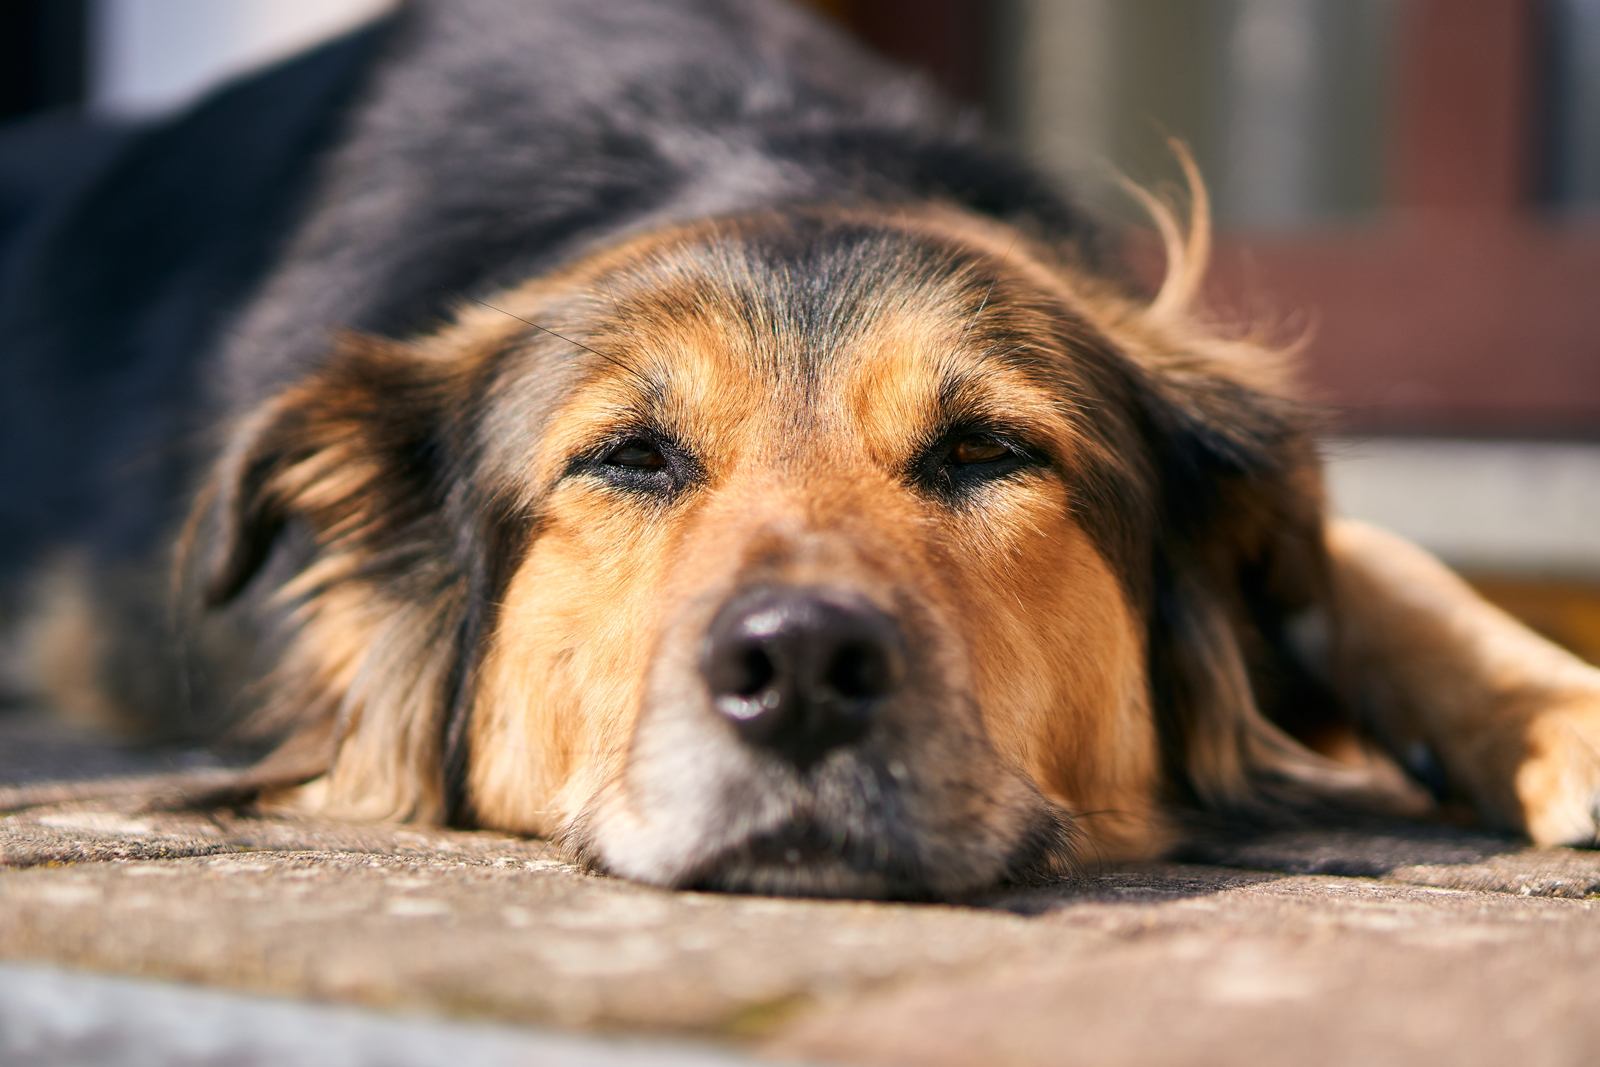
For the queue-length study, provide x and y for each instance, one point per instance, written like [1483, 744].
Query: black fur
[457, 147]
[461, 147]
[114, 299]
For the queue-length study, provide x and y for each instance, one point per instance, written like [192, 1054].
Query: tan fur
[1514, 720]
[1056, 664]
[1032, 624]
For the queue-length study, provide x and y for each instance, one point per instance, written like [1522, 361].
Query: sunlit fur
[482, 627]
[804, 360]
[446, 606]
[803, 453]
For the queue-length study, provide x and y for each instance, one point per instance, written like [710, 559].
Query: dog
[671, 431]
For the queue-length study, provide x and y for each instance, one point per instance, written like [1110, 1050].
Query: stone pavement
[1392, 944]
[51, 1017]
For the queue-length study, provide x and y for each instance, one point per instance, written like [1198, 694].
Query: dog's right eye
[653, 467]
[977, 448]
[636, 455]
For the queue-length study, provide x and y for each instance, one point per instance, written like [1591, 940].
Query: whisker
[990, 291]
[614, 361]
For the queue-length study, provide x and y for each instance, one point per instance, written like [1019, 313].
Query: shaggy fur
[599, 322]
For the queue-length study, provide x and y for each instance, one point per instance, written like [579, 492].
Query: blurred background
[1413, 185]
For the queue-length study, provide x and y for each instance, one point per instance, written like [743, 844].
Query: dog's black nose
[798, 672]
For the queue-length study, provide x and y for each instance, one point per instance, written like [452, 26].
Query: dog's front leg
[1513, 721]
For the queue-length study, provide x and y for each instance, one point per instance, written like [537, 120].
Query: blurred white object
[1514, 507]
[154, 56]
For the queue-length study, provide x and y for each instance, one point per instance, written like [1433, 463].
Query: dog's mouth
[844, 831]
[842, 827]
[829, 834]
[809, 860]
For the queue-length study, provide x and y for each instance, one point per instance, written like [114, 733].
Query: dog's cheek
[560, 686]
[1059, 664]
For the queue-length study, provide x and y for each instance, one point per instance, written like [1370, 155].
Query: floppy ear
[1239, 556]
[347, 451]
[347, 499]
[1240, 562]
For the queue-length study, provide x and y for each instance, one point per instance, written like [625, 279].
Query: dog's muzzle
[806, 741]
[801, 672]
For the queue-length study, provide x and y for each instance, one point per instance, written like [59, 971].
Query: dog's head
[819, 551]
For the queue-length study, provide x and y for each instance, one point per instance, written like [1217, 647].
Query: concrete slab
[1384, 943]
[1453, 948]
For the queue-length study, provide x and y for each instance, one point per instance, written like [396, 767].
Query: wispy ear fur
[1238, 553]
[357, 475]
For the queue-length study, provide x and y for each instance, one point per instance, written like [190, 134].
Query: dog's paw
[1558, 781]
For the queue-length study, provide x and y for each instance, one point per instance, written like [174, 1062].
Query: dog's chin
[808, 856]
[807, 876]
[907, 813]
[800, 863]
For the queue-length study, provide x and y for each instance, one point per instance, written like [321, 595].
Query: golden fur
[1068, 695]
[808, 506]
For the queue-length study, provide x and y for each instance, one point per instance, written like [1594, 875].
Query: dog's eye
[637, 455]
[965, 460]
[977, 448]
[647, 464]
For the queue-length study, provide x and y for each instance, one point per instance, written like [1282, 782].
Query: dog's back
[498, 139]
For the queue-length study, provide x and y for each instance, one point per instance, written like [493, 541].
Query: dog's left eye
[976, 448]
[637, 455]
[966, 460]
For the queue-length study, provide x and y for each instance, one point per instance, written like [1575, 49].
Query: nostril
[755, 672]
[858, 672]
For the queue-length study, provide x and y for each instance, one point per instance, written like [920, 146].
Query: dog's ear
[1238, 555]
[346, 499]
[353, 453]
[1239, 563]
